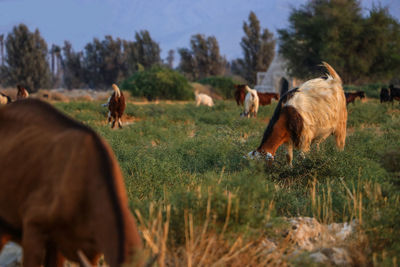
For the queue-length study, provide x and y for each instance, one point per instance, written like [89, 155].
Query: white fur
[322, 105]
[257, 155]
[116, 90]
[106, 104]
[203, 99]
[251, 103]
[3, 100]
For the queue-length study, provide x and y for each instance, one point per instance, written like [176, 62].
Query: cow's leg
[289, 155]
[119, 123]
[113, 123]
[340, 136]
[33, 244]
[53, 256]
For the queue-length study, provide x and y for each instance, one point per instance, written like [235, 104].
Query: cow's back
[322, 105]
[62, 172]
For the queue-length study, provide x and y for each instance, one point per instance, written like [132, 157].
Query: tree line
[30, 62]
[362, 48]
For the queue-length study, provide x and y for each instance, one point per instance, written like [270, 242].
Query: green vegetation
[258, 46]
[361, 47]
[187, 158]
[223, 86]
[158, 83]
[29, 67]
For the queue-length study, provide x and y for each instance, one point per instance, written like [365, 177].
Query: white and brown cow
[306, 114]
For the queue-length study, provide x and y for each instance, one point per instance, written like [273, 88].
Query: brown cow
[116, 106]
[22, 92]
[264, 98]
[62, 190]
[351, 96]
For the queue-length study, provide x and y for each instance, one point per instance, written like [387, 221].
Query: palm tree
[2, 49]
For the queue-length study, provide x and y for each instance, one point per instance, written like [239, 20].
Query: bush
[223, 86]
[158, 83]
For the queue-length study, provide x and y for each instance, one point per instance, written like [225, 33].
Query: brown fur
[264, 98]
[351, 96]
[22, 93]
[116, 106]
[240, 93]
[62, 189]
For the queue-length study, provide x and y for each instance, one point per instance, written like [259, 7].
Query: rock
[319, 257]
[325, 243]
[11, 255]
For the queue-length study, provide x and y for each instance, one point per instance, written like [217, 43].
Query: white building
[276, 78]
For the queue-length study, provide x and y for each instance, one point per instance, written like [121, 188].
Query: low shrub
[158, 83]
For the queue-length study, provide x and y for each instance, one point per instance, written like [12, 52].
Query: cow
[116, 105]
[203, 99]
[4, 99]
[62, 190]
[251, 103]
[351, 96]
[384, 95]
[22, 92]
[394, 93]
[264, 98]
[309, 113]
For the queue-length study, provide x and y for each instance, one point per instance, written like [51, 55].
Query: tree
[72, 66]
[203, 59]
[103, 62]
[258, 50]
[171, 58]
[2, 49]
[148, 51]
[142, 53]
[335, 31]
[26, 60]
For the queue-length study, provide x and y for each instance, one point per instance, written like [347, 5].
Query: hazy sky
[171, 23]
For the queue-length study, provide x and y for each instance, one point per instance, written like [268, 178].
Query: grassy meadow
[199, 202]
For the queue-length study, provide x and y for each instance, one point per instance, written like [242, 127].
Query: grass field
[199, 202]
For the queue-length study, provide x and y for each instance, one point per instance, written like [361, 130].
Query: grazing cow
[4, 99]
[251, 103]
[116, 106]
[384, 95]
[264, 98]
[22, 93]
[62, 191]
[309, 113]
[394, 93]
[203, 99]
[351, 96]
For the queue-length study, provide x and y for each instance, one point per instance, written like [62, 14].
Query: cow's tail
[116, 90]
[332, 72]
[251, 91]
